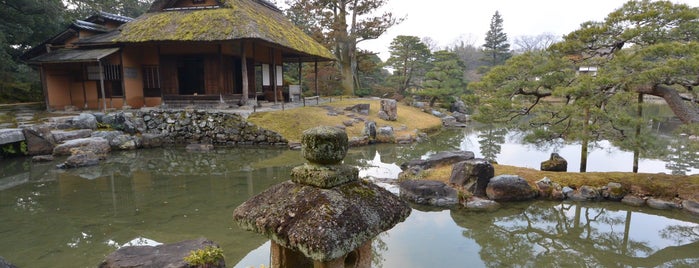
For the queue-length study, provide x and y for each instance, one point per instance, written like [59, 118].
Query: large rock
[691, 206]
[370, 130]
[549, 189]
[120, 121]
[460, 117]
[39, 139]
[99, 146]
[585, 193]
[80, 158]
[149, 140]
[11, 135]
[424, 192]
[84, 121]
[168, 255]
[450, 121]
[614, 191]
[361, 108]
[662, 204]
[61, 136]
[555, 163]
[385, 134]
[459, 106]
[438, 159]
[324, 145]
[633, 200]
[389, 110]
[322, 224]
[509, 188]
[6, 264]
[473, 175]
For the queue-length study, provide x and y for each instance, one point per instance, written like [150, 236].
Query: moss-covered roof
[235, 20]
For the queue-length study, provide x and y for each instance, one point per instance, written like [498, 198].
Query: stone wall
[192, 126]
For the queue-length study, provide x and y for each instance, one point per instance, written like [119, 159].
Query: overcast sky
[447, 21]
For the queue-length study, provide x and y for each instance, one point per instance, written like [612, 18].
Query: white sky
[447, 21]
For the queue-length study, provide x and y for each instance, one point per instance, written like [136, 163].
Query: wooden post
[44, 87]
[123, 79]
[104, 97]
[244, 68]
[273, 73]
[82, 79]
[315, 66]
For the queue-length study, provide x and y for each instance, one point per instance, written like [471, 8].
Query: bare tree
[531, 43]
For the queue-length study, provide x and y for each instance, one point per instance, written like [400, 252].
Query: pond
[73, 218]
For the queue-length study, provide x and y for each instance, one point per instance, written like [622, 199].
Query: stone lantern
[324, 216]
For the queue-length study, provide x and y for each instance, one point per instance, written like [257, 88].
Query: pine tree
[496, 47]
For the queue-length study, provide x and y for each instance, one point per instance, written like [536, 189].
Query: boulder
[459, 106]
[11, 135]
[356, 141]
[167, 255]
[633, 200]
[691, 206]
[460, 117]
[480, 204]
[84, 121]
[509, 188]
[549, 189]
[370, 130]
[585, 193]
[324, 145]
[149, 140]
[348, 123]
[661, 204]
[80, 158]
[473, 175]
[120, 121]
[555, 163]
[389, 110]
[438, 159]
[386, 134]
[438, 113]
[405, 139]
[6, 264]
[424, 192]
[614, 191]
[450, 121]
[65, 135]
[39, 139]
[125, 142]
[99, 146]
[361, 108]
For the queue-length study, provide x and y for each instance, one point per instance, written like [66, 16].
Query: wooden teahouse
[192, 51]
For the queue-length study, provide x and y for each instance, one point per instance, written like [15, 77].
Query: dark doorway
[190, 75]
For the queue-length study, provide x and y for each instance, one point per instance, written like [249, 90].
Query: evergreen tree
[496, 47]
[446, 78]
[409, 60]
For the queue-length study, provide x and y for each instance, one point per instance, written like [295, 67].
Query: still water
[73, 218]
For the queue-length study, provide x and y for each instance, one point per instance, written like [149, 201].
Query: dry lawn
[291, 123]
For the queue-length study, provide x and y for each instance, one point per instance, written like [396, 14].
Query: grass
[291, 123]
[657, 185]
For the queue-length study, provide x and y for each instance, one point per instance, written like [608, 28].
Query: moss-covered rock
[324, 176]
[323, 224]
[324, 145]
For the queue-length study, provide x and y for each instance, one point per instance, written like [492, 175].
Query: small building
[196, 51]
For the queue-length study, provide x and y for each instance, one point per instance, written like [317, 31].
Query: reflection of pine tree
[491, 139]
[683, 155]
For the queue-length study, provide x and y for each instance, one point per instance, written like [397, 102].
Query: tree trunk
[244, 71]
[584, 142]
[686, 113]
[637, 147]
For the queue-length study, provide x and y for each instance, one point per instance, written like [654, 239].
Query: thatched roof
[233, 20]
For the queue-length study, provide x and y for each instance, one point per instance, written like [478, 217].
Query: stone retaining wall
[192, 126]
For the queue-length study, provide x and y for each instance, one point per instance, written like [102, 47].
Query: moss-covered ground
[291, 123]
